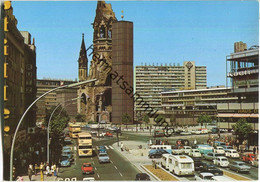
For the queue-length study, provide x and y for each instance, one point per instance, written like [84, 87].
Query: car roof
[86, 163]
[206, 174]
[221, 157]
[142, 174]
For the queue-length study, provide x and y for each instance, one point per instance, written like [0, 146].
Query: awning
[236, 115]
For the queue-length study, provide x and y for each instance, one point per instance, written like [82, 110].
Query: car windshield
[186, 165]
[103, 155]
[207, 177]
[234, 151]
[196, 151]
[63, 158]
[218, 154]
[252, 156]
[224, 159]
[87, 165]
[240, 164]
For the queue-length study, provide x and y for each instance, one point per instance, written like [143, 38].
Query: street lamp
[48, 129]
[20, 121]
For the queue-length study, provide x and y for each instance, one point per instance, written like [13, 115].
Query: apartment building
[150, 81]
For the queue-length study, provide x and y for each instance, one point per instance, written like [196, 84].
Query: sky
[164, 32]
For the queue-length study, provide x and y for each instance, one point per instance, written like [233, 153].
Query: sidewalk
[38, 178]
[136, 156]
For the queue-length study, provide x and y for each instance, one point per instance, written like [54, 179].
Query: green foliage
[80, 118]
[92, 122]
[242, 128]
[146, 119]
[126, 118]
[159, 119]
[204, 118]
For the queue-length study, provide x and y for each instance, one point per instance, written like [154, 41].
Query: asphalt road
[118, 169]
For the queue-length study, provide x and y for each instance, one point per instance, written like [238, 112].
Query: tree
[159, 120]
[204, 119]
[126, 118]
[242, 128]
[146, 120]
[80, 118]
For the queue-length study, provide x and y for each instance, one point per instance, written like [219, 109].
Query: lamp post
[20, 121]
[48, 129]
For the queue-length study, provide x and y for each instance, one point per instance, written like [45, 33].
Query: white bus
[181, 165]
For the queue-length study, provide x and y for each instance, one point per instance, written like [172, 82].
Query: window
[102, 32]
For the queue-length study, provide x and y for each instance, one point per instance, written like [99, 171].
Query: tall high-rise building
[240, 46]
[150, 81]
[122, 56]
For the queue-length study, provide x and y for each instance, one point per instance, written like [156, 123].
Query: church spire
[83, 61]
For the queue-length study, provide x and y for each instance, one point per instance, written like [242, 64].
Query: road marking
[115, 167]
[111, 147]
[93, 162]
[120, 174]
[112, 162]
[106, 147]
[75, 148]
[96, 168]
[98, 175]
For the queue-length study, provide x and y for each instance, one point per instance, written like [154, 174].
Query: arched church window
[109, 33]
[102, 32]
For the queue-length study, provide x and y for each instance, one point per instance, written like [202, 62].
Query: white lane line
[75, 148]
[111, 147]
[115, 167]
[98, 175]
[96, 168]
[93, 162]
[112, 162]
[106, 147]
[120, 174]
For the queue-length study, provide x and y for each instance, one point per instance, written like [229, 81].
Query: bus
[84, 144]
[84, 150]
[74, 129]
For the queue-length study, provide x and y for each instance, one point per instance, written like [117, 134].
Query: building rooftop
[196, 90]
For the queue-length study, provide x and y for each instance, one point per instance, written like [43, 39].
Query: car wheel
[152, 156]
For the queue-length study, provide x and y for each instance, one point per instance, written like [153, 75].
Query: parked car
[219, 150]
[185, 133]
[108, 134]
[196, 131]
[232, 153]
[186, 149]
[226, 148]
[142, 177]
[204, 148]
[65, 162]
[239, 166]
[249, 157]
[102, 149]
[198, 164]
[194, 153]
[211, 168]
[68, 153]
[211, 156]
[103, 158]
[157, 153]
[67, 139]
[86, 168]
[254, 162]
[221, 161]
[204, 176]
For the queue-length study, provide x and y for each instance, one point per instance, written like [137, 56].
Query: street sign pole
[2, 89]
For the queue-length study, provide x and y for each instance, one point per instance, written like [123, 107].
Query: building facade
[150, 81]
[185, 106]
[96, 103]
[54, 98]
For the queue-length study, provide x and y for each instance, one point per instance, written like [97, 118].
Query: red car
[86, 168]
[108, 134]
[249, 157]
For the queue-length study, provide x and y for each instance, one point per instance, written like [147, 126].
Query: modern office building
[54, 98]
[103, 99]
[185, 106]
[150, 81]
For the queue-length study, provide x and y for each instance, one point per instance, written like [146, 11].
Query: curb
[238, 175]
[155, 177]
[169, 173]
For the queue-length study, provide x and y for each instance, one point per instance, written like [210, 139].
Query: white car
[232, 153]
[185, 133]
[194, 153]
[219, 150]
[204, 176]
[186, 149]
[197, 132]
[221, 161]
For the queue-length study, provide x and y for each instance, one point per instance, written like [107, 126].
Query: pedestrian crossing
[107, 147]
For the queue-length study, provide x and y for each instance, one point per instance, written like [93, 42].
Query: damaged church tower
[103, 101]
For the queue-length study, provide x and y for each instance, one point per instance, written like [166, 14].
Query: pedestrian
[54, 169]
[35, 169]
[30, 172]
[254, 150]
[47, 169]
[121, 146]
[257, 150]
[41, 172]
[195, 142]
